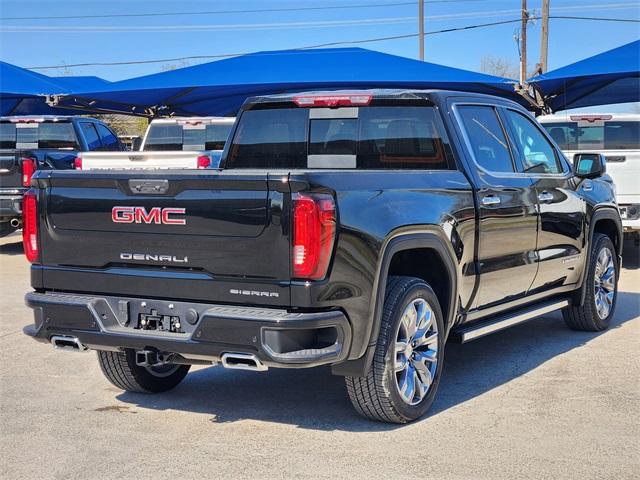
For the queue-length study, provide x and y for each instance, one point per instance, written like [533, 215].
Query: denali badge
[153, 258]
[253, 293]
[164, 216]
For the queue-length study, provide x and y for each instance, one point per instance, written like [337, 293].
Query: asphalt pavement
[535, 401]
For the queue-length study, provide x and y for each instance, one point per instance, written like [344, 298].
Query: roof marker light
[332, 100]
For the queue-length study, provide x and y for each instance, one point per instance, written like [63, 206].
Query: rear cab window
[365, 137]
[187, 135]
[38, 134]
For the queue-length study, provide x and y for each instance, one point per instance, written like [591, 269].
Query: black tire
[120, 369]
[585, 317]
[6, 229]
[377, 395]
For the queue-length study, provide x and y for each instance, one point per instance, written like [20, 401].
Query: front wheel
[404, 377]
[601, 282]
[120, 369]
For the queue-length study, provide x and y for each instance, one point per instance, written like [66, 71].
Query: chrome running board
[495, 324]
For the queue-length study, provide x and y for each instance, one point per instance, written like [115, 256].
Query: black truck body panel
[235, 248]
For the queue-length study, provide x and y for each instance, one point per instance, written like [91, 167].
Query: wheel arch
[605, 220]
[402, 247]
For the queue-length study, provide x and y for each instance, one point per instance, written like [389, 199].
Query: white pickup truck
[617, 136]
[169, 143]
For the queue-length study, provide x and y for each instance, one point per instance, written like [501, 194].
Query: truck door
[507, 208]
[561, 209]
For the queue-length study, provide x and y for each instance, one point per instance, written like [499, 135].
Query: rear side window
[390, 137]
[108, 138]
[608, 135]
[487, 138]
[7, 135]
[90, 135]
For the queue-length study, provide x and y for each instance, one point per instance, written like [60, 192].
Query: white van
[617, 136]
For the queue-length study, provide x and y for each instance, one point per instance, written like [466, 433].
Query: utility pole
[421, 29]
[523, 44]
[544, 36]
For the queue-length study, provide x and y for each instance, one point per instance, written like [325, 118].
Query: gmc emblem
[141, 215]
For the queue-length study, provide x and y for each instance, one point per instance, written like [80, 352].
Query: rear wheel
[601, 282]
[120, 369]
[6, 229]
[404, 377]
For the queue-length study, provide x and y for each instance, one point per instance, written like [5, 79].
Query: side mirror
[589, 165]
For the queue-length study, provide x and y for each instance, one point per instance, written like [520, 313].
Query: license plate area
[159, 322]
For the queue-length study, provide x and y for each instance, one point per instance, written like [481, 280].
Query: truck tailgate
[198, 234]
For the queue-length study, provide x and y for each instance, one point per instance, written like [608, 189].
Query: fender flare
[608, 213]
[427, 238]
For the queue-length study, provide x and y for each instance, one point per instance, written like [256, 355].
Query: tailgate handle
[149, 187]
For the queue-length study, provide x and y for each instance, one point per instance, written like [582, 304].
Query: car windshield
[196, 136]
[388, 137]
[47, 134]
[609, 135]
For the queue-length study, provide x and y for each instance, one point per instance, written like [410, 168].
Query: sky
[36, 42]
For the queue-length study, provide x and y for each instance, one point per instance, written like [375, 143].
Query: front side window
[487, 138]
[216, 135]
[109, 140]
[538, 155]
[390, 137]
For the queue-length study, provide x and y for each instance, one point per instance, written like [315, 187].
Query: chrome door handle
[490, 200]
[545, 197]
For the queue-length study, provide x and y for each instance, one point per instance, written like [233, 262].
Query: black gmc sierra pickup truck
[30, 143]
[359, 230]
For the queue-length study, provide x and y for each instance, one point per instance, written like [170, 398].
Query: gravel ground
[536, 401]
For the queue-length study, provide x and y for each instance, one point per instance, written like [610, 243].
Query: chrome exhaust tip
[243, 361]
[15, 223]
[69, 344]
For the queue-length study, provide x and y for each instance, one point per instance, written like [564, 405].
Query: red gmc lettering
[155, 215]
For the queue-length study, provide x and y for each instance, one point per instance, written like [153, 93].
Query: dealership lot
[537, 399]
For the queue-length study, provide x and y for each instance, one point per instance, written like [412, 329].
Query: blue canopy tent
[220, 87]
[24, 92]
[19, 84]
[607, 78]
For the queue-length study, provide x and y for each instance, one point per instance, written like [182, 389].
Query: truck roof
[42, 118]
[376, 93]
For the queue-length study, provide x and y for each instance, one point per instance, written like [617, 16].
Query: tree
[502, 67]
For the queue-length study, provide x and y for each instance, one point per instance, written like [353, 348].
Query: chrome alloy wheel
[416, 351]
[604, 283]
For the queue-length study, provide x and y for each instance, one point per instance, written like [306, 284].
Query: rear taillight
[28, 168]
[204, 161]
[332, 100]
[77, 163]
[30, 225]
[314, 231]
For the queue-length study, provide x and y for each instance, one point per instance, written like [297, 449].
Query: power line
[222, 12]
[331, 44]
